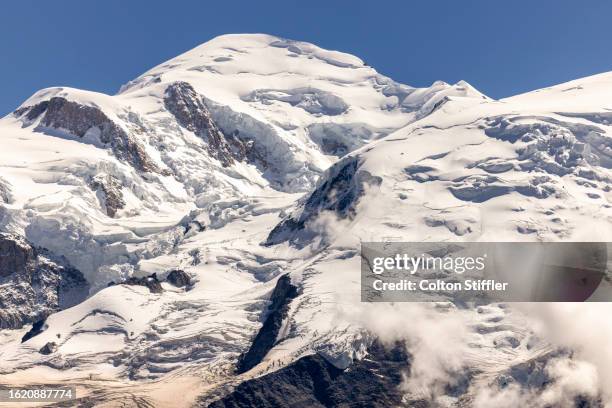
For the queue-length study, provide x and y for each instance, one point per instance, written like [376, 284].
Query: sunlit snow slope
[251, 157]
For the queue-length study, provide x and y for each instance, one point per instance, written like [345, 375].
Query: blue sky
[500, 47]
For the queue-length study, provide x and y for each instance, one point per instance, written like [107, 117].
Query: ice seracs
[252, 139]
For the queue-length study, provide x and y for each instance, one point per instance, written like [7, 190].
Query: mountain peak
[197, 162]
[257, 54]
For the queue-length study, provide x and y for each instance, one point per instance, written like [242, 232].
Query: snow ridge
[252, 160]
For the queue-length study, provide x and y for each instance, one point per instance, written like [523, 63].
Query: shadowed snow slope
[253, 162]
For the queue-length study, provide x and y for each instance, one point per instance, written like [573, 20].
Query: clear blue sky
[500, 47]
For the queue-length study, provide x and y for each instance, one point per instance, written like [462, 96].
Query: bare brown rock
[109, 193]
[33, 284]
[78, 119]
[190, 112]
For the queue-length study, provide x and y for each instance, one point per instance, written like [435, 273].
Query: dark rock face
[6, 195]
[178, 278]
[190, 112]
[15, 256]
[108, 190]
[32, 111]
[281, 297]
[261, 144]
[34, 284]
[48, 348]
[77, 119]
[313, 382]
[151, 282]
[338, 191]
[37, 328]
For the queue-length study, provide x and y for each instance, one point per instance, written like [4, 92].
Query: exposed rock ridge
[79, 120]
[190, 112]
[108, 190]
[338, 191]
[313, 382]
[280, 299]
[33, 285]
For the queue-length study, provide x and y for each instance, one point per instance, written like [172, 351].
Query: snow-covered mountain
[244, 174]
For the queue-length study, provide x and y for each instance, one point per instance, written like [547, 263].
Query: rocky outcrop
[32, 111]
[16, 255]
[6, 195]
[79, 120]
[313, 382]
[277, 311]
[273, 155]
[182, 101]
[178, 278]
[37, 328]
[34, 284]
[108, 191]
[338, 191]
[150, 282]
[48, 348]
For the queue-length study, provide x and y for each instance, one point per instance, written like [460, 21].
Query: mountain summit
[208, 219]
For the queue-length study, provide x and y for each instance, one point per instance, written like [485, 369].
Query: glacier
[256, 166]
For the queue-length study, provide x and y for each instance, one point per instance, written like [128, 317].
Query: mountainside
[244, 174]
[447, 174]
